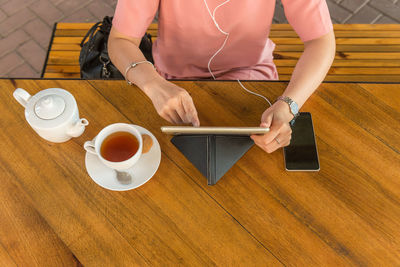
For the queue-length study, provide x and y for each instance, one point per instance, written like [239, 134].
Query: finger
[288, 138]
[283, 140]
[266, 118]
[274, 131]
[177, 117]
[258, 139]
[174, 117]
[267, 138]
[181, 113]
[274, 145]
[191, 111]
[167, 118]
[286, 130]
[287, 143]
[279, 141]
[262, 145]
[163, 114]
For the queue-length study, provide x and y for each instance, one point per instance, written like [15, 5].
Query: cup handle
[89, 147]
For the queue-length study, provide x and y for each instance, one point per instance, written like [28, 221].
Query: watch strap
[289, 101]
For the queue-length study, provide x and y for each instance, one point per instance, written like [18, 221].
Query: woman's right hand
[172, 102]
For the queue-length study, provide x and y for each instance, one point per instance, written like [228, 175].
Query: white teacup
[95, 145]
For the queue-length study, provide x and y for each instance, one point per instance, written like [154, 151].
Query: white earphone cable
[251, 92]
[216, 53]
[212, 15]
[223, 32]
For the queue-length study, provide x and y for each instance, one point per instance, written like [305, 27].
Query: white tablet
[177, 130]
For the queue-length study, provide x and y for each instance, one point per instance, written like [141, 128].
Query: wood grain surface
[364, 52]
[347, 214]
[23, 231]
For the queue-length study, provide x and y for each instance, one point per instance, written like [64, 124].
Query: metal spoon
[123, 177]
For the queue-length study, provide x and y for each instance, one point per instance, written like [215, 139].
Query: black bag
[94, 60]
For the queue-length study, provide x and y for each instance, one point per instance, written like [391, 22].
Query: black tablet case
[213, 155]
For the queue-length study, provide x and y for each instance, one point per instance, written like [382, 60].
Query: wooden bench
[365, 52]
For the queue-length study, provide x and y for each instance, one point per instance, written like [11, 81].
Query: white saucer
[141, 172]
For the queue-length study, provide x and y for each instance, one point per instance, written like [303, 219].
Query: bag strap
[106, 26]
[90, 32]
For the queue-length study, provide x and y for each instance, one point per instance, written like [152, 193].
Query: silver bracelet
[132, 65]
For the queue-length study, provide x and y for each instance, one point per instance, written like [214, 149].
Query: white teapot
[52, 113]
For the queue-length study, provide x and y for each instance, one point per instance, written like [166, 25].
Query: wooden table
[348, 213]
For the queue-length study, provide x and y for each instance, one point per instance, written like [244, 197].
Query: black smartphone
[302, 154]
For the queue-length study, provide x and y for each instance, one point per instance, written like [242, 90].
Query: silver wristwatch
[294, 108]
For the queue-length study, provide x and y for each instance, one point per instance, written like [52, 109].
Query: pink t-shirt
[187, 36]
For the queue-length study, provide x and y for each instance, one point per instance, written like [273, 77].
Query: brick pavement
[26, 25]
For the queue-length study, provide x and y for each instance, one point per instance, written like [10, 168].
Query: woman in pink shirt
[228, 40]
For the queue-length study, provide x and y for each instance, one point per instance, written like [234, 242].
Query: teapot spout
[78, 128]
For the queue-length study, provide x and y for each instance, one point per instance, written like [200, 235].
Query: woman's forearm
[311, 68]
[309, 72]
[171, 102]
[123, 51]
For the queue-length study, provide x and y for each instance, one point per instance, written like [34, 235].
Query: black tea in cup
[119, 146]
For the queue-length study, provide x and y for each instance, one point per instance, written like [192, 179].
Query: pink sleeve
[309, 18]
[133, 17]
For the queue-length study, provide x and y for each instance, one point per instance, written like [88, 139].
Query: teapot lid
[50, 108]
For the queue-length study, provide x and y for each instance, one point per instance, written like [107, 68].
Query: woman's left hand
[277, 118]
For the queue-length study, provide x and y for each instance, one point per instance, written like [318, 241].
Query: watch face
[294, 107]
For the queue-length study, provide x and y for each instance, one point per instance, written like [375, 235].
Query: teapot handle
[22, 96]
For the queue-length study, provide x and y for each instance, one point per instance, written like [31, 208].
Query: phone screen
[301, 154]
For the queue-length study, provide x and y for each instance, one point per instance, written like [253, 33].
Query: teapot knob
[47, 101]
[22, 96]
